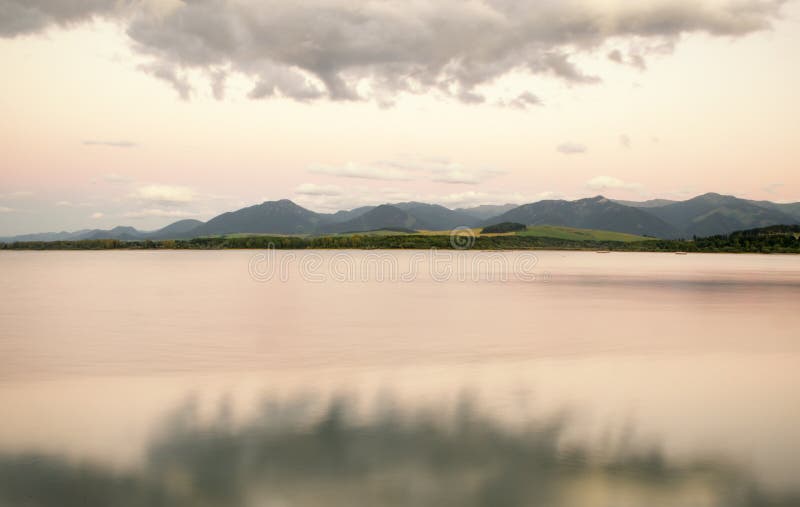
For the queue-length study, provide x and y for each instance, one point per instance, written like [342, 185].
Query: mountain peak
[120, 229]
[282, 202]
[715, 196]
[595, 199]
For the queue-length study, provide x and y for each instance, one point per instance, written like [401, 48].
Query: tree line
[774, 239]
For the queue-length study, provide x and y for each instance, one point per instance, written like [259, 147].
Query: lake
[619, 365]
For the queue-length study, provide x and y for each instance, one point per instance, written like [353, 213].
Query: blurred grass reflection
[296, 453]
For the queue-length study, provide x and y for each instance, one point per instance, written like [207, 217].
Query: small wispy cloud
[5, 209]
[71, 204]
[314, 189]
[411, 167]
[571, 148]
[111, 144]
[609, 182]
[164, 194]
[445, 170]
[366, 172]
[96, 215]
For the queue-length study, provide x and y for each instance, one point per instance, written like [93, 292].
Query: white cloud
[5, 209]
[165, 194]
[571, 148]
[96, 215]
[443, 170]
[368, 172]
[70, 204]
[609, 182]
[464, 176]
[411, 167]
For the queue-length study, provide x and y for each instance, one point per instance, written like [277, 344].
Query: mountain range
[704, 215]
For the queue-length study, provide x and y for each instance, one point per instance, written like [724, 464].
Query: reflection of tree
[288, 456]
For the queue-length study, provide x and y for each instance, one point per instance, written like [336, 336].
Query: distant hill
[593, 213]
[438, 217]
[176, 230]
[790, 208]
[124, 233]
[711, 214]
[705, 215]
[345, 215]
[275, 217]
[385, 216]
[48, 236]
[486, 211]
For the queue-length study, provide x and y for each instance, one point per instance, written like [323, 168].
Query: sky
[143, 112]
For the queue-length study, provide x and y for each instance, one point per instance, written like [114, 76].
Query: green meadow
[573, 234]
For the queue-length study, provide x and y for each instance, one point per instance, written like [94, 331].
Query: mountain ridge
[704, 215]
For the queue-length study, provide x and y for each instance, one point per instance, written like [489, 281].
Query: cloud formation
[19, 17]
[367, 172]
[408, 168]
[376, 50]
[164, 194]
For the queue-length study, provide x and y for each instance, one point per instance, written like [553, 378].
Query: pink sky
[120, 116]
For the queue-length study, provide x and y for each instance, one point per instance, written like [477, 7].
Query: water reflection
[298, 452]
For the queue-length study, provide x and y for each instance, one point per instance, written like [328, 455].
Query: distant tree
[503, 227]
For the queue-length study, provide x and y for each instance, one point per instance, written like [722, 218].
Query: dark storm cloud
[374, 50]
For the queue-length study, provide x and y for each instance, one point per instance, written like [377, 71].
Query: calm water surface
[698, 355]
